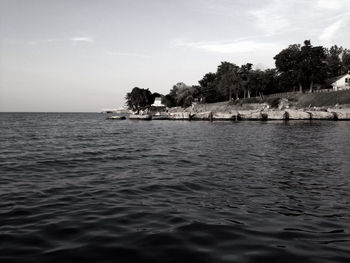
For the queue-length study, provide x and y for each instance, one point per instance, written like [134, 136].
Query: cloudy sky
[71, 55]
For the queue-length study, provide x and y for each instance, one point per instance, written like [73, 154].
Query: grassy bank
[303, 100]
[295, 100]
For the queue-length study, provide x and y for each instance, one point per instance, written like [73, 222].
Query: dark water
[78, 188]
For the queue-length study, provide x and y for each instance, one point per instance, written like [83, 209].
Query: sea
[75, 187]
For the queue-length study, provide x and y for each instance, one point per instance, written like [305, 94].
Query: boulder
[116, 118]
[297, 115]
[283, 104]
[179, 116]
[341, 114]
[249, 115]
[275, 115]
[221, 116]
[321, 115]
[202, 116]
[144, 117]
[160, 117]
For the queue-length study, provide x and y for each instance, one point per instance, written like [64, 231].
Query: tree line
[298, 68]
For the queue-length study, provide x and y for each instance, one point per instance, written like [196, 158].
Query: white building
[158, 102]
[341, 82]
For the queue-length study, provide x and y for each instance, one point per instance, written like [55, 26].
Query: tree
[271, 80]
[184, 95]
[257, 82]
[169, 101]
[245, 74]
[229, 79]
[286, 82]
[139, 99]
[334, 61]
[305, 64]
[346, 61]
[181, 95]
[208, 90]
[288, 65]
[313, 64]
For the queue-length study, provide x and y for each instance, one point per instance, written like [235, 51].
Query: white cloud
[269, 21]
[330, 32]
[228, 47]
[82, 40]
[75, 40]
[331, 4]
[126, 54]
[272, 19]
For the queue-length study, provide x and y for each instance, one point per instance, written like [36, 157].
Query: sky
[84, 55]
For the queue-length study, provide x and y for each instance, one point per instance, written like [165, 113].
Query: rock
[275, 115]
[160, 117]
[321, 115]
[116, 118]
[144, 117]
[283, 104]
[297, 115]
[221, 116]
[341, 114]
[179, 116]
[175, 109]
[249, 115]
[202, 116]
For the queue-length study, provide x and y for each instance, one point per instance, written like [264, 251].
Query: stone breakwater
[240, 115]
[145, 117]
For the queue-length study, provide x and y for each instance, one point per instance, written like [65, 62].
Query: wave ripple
[76, 188]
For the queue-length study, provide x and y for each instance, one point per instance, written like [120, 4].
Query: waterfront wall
[241, 115]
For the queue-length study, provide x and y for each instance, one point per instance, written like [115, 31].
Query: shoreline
[245, 115]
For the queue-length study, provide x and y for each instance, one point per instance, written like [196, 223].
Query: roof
[332, 80]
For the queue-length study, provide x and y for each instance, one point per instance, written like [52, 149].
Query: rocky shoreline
[281, 109]
[241, 115]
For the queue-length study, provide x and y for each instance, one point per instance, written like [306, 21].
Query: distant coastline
[284, 106]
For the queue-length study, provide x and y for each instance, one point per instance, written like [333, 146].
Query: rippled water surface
[76, 187]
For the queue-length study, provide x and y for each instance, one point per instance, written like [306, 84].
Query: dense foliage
[139, 99]
[302, 66]
[298, 68]
[182, 95]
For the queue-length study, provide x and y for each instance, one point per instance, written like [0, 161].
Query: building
[158, 102]
[341, 82]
